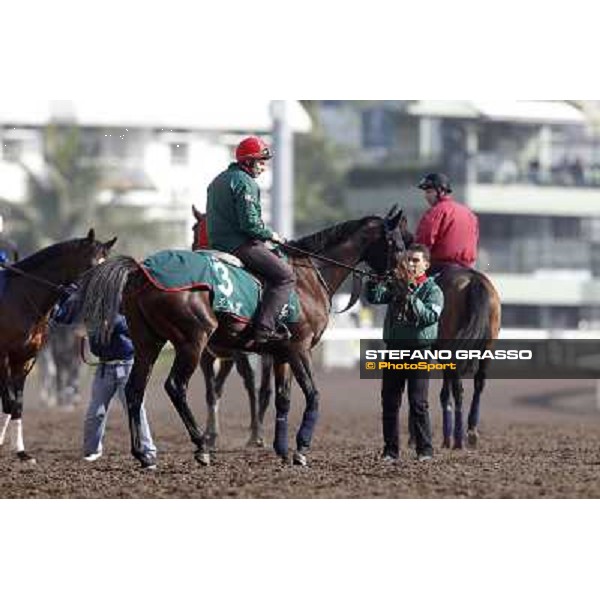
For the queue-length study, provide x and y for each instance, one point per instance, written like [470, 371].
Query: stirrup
[264, 336]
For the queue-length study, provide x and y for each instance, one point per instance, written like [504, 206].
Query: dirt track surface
[539, 440]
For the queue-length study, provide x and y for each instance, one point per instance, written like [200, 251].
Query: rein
[323, 258]
[357, 273]
[54, 286]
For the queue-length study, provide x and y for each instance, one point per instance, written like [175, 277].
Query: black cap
[435, 181]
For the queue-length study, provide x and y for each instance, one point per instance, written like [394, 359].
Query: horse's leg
[19, 373]
[187, 355]
[244, 368]
[4, 426]
[446, 412]
[478, 386]
[207, 364]
[6, 398]
[225, 367]
[411, 428]
[302, 369]
[6, 408]
[147, 348]
[135, 389]
[457, 392]
[283, 382]
[265, 392]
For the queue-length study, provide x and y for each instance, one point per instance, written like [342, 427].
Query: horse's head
[199, 232]
[391, 238]
[89, 252]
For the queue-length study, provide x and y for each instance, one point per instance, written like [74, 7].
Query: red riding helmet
[252, 148]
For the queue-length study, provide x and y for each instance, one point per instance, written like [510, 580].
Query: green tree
[62, 201]
[320, 169]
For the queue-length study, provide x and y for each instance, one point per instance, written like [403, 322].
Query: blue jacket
[119, 347]
[67, 310]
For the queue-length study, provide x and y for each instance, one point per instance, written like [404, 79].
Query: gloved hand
[400, 287]
[277, 238]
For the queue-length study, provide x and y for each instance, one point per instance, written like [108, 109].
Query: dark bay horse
[470, 319]
[215, 379]
[187, 320]
[30, 290]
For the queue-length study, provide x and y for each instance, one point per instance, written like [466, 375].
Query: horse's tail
[476, 331]
[101, 293]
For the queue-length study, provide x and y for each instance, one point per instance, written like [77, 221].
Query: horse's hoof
[203, 458]
[458, 445]
[299, 459]
[472, 438]
[284, 459]
[211, 442]
[26, 458]
[447, 443]
[148, 463]
[255, 442]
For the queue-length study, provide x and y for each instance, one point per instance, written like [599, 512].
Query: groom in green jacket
[415, 303]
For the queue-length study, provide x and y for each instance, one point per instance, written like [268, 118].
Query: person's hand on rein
[277, 238]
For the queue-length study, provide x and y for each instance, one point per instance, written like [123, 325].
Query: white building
[530, 170]
[156, 154]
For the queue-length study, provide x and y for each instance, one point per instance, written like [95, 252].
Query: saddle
[234, 261]
[230, 259]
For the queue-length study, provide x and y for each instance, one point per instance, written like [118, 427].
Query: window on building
[91, 143]
[377, 128]
[179, 153]
[566, 227]
[12, 150]
[521, 316]
[564, 317]
[497, 227]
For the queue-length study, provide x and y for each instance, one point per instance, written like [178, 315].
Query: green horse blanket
[233, 289]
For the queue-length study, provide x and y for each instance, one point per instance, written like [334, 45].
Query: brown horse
[31, 288]
[187, 320]
[215, 380]
[470, 319]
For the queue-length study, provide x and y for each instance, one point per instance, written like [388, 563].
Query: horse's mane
[48, 254]
[321, 240]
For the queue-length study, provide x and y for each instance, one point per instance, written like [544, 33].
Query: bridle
[394, 243]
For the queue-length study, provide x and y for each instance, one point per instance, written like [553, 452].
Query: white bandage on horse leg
[18, 433]
[4, 428]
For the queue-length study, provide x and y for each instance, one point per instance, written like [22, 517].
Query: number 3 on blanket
[226, 288]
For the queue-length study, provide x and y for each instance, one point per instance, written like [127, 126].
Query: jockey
[235, 225]
[449, 229]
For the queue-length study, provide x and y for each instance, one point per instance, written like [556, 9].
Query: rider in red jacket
[449, 229]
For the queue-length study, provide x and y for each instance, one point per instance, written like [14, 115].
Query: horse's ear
[391, 212]
[197, 214]
[110, 243]
[396, 219]
[91, 236]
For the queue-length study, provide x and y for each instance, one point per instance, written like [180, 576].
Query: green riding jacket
[414, 322]
[233, 211]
